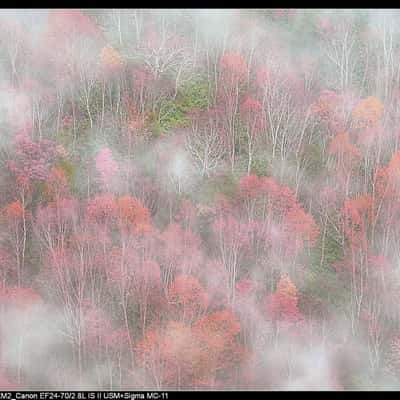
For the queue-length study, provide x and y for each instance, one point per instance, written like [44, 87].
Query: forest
[199, 199]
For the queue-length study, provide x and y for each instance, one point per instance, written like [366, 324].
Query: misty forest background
[200, 199]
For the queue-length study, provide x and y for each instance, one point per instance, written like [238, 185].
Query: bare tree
[205, 146]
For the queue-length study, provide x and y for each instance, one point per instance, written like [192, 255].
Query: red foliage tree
[57, 184]
[179, 356]
[70, 22]
[341, 147]
[233, 66]
[357, 215]
[102, 209]
[301, 227]
[387, 181]
[132, 215]
[33, 160]
[233, 73]
[326, 108]
[216, 335]
[250, 186]
[187, 298]
[282, 305]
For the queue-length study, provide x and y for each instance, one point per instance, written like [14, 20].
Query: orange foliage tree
[368, 112]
